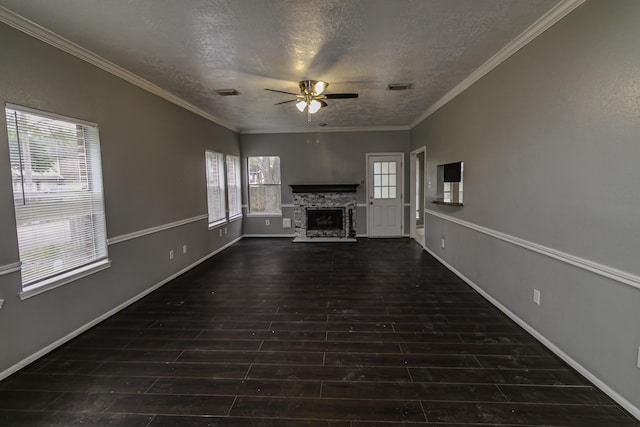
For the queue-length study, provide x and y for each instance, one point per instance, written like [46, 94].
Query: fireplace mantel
[324, 188]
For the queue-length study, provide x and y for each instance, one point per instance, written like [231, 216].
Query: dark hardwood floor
[274, 333]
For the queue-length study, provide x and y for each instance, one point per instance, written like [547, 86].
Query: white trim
[147, 231]
[36, 31]
[64, 279]
[217, 224]
[12, 369]
[633, 410]
[48, 114]
[585, 264]
[10, 268]
[269, 235]
[263, 215]
[561, 10]
[327, 130]
[413, 156]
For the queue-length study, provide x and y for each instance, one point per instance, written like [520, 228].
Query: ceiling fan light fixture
[314, 106]
[319, 86]
[301, 105]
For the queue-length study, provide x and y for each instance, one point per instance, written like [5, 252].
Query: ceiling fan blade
[286, 102]
[340, 95]
[281, 91]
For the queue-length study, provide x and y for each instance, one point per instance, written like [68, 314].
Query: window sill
[235, 218]
[213, 225]
[63, 279]
[443, 203]
[265, 214]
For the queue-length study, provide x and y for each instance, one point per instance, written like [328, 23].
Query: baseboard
[35, 356]
[628, 406]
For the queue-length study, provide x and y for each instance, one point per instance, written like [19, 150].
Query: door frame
[412, 190]
[401, 154]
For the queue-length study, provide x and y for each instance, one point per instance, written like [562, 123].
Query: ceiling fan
[312, 96]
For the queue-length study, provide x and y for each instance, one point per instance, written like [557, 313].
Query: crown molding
[328, 130]
[36, 31]
[561, 10]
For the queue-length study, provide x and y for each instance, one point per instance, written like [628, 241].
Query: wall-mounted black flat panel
[452, 172]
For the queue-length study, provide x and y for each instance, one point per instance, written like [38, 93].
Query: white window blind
[57, 188]
[264, 185]
[215, 187]
[233, 185]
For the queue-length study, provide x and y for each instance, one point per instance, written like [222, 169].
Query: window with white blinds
[57, 189]
[233, 186]
[215, 187]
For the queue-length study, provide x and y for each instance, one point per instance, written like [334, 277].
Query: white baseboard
[633, 410]
[35, 356]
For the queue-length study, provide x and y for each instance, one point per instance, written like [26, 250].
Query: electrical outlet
[220, 232]
[267, 222]
[286, 222]
[171, 254]
[184, 249]
[442, 242]
[2, 303]
[536, 296]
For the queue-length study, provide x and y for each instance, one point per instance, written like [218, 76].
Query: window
[233, 186]
[215, 187]
[384, 180]
[57, 192]
[264, 185]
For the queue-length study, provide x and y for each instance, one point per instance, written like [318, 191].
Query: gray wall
[154, 174]
[322, 158]
[550, 145]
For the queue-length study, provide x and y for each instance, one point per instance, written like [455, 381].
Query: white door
[385, 195]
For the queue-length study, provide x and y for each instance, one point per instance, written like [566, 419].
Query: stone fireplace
[324, 212]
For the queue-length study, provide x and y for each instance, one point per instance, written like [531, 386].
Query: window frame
[237, 188]
[221, 186]
[250, 212]
[89, 167]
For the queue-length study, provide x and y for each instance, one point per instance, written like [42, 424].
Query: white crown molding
[635, 411]
[147, 231]
[561, 10]
[585, 264]
[34, 30]
[10, 268]
[328, 130]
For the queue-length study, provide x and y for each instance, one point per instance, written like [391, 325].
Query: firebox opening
[325, 219]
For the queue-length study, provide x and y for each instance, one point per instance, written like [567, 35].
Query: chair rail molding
[585, 264]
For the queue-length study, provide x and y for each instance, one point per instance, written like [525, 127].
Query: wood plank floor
[274, 333]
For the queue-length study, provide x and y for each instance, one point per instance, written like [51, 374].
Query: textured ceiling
[193, 47]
